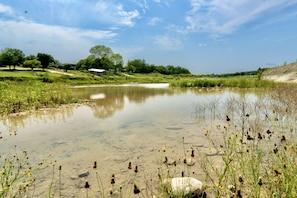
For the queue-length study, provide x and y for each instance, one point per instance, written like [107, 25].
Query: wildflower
[260, 136]
[87, 185]
[277, 173]
[260, 183]
[129, 166]
[240, 179]
[227, 118]
[275, 150]
[95, 165]
[136, 190]
[249, 137]
[192, 155]
[112, 179]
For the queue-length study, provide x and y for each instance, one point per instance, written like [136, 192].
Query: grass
[256, 147]
[32, 95]
[238, 81]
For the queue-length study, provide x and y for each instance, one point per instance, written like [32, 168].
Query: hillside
[287, 73]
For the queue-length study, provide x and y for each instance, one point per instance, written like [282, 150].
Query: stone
[185, 186]
[83, 173]
[190, 161]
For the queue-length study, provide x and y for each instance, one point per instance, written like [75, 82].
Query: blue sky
[205, 36]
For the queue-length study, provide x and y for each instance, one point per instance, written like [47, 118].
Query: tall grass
[239, 81]
[255, 146]
[32, 95]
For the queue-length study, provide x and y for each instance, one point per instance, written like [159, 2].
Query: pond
[115, 126]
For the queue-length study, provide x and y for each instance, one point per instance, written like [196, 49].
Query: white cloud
[6, 9]
[168, 43]
[225, 16]
[153, 21]
[115, 13]
[63, 43]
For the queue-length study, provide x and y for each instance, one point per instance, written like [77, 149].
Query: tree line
[101, 57]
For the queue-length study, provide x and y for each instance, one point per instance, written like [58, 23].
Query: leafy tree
[45, 59]
[85, 64]
[137, 66]
[31, 57]
[117, 61]
[161, 69]
[67, 66]
[101, 51]
[32, 63]
[11, 57]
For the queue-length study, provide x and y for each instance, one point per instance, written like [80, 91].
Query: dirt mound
[286, 73]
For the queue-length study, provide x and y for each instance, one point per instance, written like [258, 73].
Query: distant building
[98, 72]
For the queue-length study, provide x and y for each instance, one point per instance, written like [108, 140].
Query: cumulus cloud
[109, 11]
[6, 9]
[63, 43]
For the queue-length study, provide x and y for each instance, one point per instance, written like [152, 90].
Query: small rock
[83, 173]
[190, 161]
[185, 186]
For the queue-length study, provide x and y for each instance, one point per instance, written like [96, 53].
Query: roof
[96, 70]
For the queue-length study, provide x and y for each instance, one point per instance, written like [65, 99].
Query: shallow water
[117, 125]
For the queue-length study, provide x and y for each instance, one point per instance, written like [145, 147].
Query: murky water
[117, 125]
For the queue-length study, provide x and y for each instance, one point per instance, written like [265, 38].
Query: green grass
[238, 81]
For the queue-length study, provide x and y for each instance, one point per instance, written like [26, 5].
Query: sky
[204, 36]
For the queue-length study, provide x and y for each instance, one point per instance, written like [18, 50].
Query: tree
[32, 63]
[117, 61]
[31, 57]
[45, 59]
[138, 66]
[85, 64]
[101, 51]
[11, 57]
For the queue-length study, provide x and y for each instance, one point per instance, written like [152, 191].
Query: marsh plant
[252, 150]
[32, 95]
[17, 174]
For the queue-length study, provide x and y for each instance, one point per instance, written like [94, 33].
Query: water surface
[116, 125]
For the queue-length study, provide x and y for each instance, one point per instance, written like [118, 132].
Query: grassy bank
[32, 95]
[238, 81]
